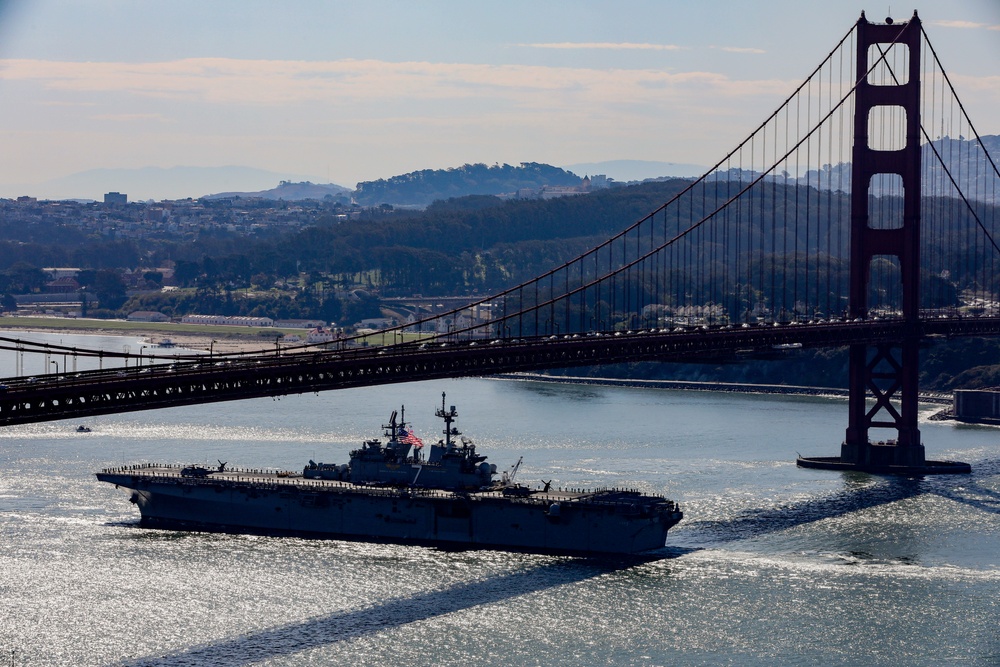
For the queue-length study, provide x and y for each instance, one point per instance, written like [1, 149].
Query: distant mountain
[636, 170]
[289, 191]
[420, 188]
[156, 182]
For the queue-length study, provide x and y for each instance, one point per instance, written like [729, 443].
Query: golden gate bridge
[851, 216]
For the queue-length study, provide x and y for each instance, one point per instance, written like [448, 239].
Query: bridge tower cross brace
[889, 371]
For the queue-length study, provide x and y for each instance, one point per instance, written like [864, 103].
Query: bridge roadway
[233, 377]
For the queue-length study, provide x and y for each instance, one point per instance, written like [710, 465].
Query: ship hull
[543, 522]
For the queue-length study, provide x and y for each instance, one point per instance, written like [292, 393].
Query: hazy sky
[349, 91]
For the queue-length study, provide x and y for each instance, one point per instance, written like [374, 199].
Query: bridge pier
[886, 375]
[874, 465]
[883, 455]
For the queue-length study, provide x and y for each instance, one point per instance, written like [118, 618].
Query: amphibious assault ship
[393, 492]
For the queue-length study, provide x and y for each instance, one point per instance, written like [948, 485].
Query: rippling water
[772, 564]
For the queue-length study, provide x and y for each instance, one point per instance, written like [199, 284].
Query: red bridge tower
[887, 372]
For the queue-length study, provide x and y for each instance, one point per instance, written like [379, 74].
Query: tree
[154, 277]
[365, 306]
[261, 280]
[185, 272]
[26, 277]
[86, 277]
[109, 289]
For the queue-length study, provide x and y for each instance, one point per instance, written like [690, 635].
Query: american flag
[408, 438]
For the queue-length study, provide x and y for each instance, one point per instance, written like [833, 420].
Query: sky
[349, 91]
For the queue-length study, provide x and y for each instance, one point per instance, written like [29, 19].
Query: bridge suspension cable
[966, 183]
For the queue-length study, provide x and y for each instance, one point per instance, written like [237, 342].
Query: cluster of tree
[304, 304]
[69, 250]
[475, 243]
[944, 366]
[103, 285]
[420, 188]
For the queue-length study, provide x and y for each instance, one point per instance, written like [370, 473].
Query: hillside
[630, 171]
[290, 191]
[940, 159]
[420, 188]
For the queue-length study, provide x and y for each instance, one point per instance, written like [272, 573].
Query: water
[772, 565]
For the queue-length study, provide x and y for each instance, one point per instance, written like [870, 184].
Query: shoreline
[246, 339]
[719, 387]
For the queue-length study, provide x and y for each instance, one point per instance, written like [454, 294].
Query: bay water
[772, 564]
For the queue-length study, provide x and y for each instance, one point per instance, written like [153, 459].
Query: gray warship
[392, 491]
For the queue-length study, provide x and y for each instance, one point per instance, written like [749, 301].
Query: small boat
[82, 429]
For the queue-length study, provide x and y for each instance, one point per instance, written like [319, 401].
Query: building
[235, 321]
[243, 321]
[977, 405]
[115, 199]
[321, 335]
[63, 285]
[57, 272]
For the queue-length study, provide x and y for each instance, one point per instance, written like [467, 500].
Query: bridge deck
[64, 396]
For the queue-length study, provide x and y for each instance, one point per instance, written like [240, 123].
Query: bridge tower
[885, 371]
[881, 374]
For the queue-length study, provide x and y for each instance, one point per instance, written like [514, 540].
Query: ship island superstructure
[392, 491]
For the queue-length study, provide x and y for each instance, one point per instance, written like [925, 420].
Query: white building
[234, 321]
